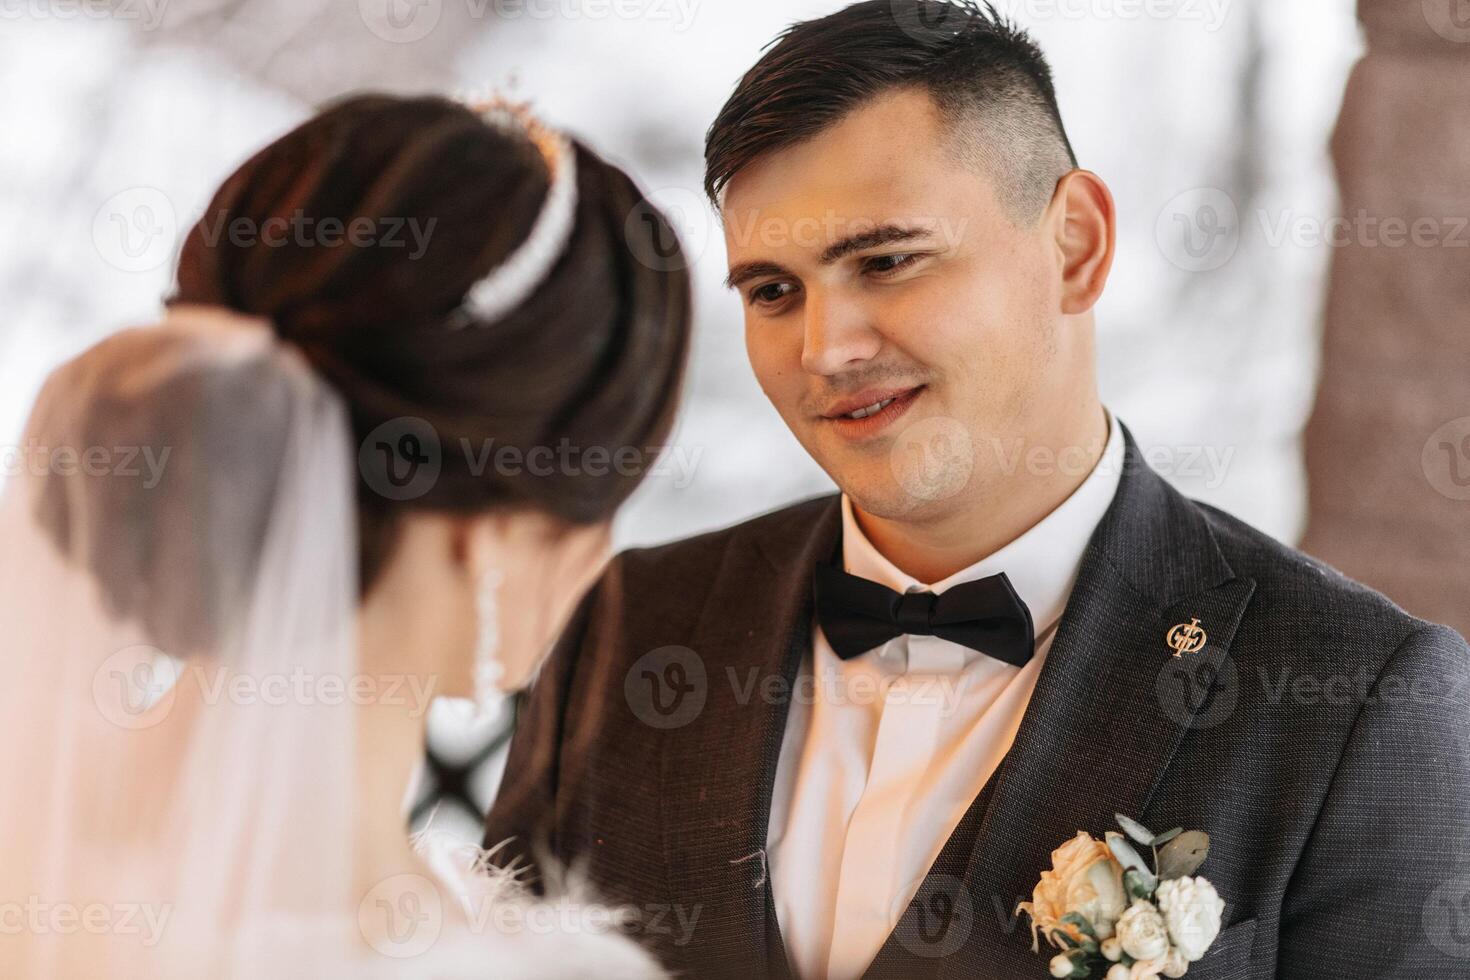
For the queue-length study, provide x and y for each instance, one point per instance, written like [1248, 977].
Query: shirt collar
[1042, 563]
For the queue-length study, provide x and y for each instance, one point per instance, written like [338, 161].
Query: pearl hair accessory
[512, 282]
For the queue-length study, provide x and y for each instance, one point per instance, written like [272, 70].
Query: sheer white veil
[181, 698]
[177, 616]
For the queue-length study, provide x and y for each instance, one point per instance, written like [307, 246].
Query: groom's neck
[932, 546]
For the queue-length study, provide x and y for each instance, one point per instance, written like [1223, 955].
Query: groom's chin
[909, 479]
[893, 503]
[874, 490]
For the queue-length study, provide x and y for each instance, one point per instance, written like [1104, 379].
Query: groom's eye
[770, 293]
[881, 264]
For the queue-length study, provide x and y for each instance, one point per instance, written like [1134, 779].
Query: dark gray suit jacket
[1321, 737]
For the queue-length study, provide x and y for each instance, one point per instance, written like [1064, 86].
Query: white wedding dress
[489, 927]
[148, 835]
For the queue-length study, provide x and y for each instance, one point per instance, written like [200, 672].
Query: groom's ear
[1082, 220]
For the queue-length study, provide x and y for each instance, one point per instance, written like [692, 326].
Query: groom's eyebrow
[746, 271]
[872, 238]
[881, 235]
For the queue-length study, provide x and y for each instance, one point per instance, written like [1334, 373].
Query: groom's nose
[837, 334]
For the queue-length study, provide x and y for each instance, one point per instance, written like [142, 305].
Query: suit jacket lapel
[717, 772]
[1112, 700]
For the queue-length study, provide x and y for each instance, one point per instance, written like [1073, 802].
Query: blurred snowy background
[1209, 118]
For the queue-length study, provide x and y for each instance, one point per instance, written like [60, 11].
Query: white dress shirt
[885, 752]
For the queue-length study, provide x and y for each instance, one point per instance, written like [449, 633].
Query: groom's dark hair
[988, 78]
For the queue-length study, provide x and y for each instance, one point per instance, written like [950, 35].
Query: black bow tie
[857, 615]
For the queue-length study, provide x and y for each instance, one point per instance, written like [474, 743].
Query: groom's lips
[838, 414]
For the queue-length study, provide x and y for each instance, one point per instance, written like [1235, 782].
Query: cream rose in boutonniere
[1104, 907]
[1084, 883]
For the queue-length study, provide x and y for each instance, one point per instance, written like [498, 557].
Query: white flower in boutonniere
[1104, 907]
[1192, 910]
[1142, 933]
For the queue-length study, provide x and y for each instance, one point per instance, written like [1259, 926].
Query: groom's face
[877, 266]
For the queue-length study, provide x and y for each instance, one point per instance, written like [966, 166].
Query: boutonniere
[1107, 909]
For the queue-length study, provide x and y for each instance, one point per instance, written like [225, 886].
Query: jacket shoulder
[673, 561]
[1305, 595]
[661, 590]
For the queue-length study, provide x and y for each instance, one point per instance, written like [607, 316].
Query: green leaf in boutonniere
[1182, 855]
[1136, 830]
[1125, 854]
[1089, 942]
[1139, 884]
[1166, 836]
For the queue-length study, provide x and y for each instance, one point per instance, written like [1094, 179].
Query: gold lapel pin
[1186, 638]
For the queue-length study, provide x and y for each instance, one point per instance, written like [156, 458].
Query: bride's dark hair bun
[358, 235]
